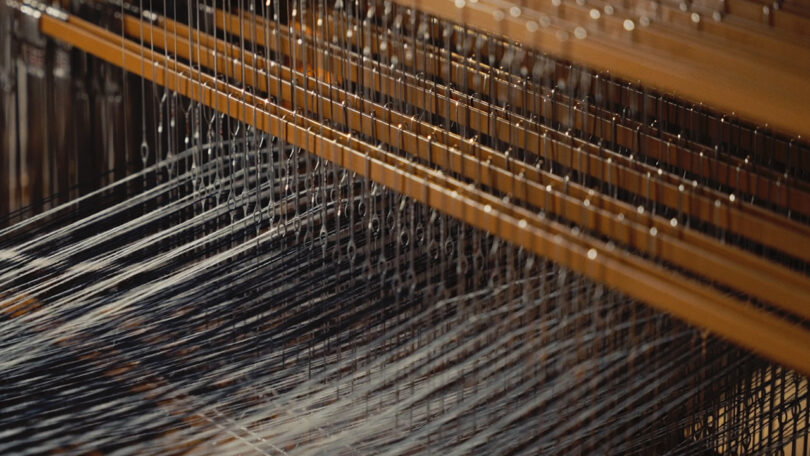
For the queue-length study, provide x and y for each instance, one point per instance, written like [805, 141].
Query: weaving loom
[405, 227]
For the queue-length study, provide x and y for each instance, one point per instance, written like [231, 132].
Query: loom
[405, 227]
